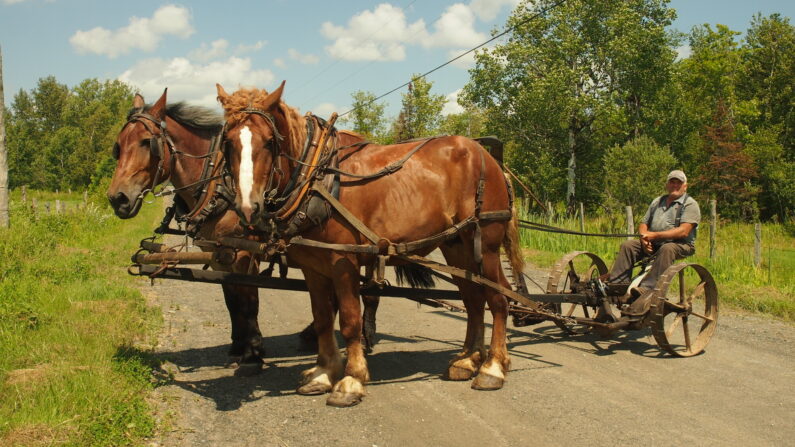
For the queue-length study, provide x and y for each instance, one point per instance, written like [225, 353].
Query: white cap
[677, 174]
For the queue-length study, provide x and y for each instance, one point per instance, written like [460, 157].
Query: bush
[635, 172]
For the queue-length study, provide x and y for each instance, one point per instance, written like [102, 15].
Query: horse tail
[511, 240]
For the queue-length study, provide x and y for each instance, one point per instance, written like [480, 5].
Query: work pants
[631, 251]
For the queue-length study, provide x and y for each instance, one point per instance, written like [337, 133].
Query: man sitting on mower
[667, 233]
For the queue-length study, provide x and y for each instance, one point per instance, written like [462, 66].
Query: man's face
[675, 188]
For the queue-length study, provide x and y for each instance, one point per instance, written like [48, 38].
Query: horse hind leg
[491, 375]
[465, 364]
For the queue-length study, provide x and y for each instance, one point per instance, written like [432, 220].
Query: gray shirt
[664, 218]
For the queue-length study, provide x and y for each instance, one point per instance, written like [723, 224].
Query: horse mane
[197, 117]
[242, 99]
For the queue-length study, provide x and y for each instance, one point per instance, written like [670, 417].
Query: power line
[533, 17]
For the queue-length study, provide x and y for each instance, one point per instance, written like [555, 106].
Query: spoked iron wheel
[569, 274]
[684, 314]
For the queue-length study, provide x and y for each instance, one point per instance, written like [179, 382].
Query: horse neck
[187, 170]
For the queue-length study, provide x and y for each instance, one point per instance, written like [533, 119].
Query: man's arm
[680, 232]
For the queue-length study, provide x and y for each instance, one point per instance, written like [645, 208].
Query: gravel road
[562, 390]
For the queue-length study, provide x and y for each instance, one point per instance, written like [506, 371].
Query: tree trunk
[572, 167]
[4, 218]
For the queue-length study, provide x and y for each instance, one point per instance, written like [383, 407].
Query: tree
[4, 218]
[768, 70]
[471, 123]
[581, 66]
[420, 113]
[366, 115]
[61, 137]
[648, 164]
[728, 174]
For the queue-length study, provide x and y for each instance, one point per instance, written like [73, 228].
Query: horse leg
[329, 369]
[466, 363]
[247, 343]
[350, 390]
[243, 305]
[368, 328]
[491, 375]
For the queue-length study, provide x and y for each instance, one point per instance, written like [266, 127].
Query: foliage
[70, 321]
[60, 138]
[648, 164]
[727, 174]
[420, 112]
[367, 116]
[469, 123]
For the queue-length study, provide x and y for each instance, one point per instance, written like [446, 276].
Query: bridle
[156, 143]
[274, 146]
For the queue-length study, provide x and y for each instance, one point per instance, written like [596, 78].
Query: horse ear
[138, 101]
[223, 97]
[158, 110]
[272, 99]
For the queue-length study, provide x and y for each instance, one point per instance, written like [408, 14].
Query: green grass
[74, 367]
[768, 289]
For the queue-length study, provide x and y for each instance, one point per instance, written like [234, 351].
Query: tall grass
[768, 289]
[72, 326]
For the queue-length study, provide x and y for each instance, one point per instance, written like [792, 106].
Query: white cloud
[455, 27]
[195, 83]
[379, 34]
[279, 62]
[452, 106]
[383, 33]
[142, 33]
[487, 10]
[243, 49]
[302, 58]
[683, 52]
[11, 2]
[325, 109]
[205, 53]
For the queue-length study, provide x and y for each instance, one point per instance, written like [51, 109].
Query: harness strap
[386, 170]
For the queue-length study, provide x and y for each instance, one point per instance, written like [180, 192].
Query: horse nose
[118, 200]
[249, 211]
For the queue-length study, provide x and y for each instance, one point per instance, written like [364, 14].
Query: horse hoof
[233, 362]
[342, 399]
[314, 389]
[487, 382]
[346, 393]
[458, 373]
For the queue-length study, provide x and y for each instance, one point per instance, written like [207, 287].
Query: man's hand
[645, 242]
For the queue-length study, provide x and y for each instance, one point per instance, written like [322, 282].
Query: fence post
[630, 222]
[24, 193]
[34, 205]
[57, 206]
[757, 244]
[550, 213]
[47, 207]
[582, 218]
[713, 228]
[85, 197]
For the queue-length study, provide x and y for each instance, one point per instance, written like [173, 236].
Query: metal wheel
[567, 275]
[684, 313]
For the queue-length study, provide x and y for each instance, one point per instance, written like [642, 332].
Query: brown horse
[141, 148]
[434, 190]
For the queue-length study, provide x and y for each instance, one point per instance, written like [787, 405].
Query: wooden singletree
[4, 220]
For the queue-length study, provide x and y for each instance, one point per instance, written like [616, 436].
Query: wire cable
[506, 31]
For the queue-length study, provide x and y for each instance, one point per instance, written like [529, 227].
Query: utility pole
[4, 218]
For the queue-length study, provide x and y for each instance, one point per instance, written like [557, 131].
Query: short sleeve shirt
[664, 218]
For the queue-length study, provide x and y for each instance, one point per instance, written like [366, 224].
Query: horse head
[140, 154]
[257, 133]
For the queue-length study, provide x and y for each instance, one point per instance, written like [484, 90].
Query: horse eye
[116, 151]
[145, 142]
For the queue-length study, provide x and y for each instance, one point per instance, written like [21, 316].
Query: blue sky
[325, 50]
